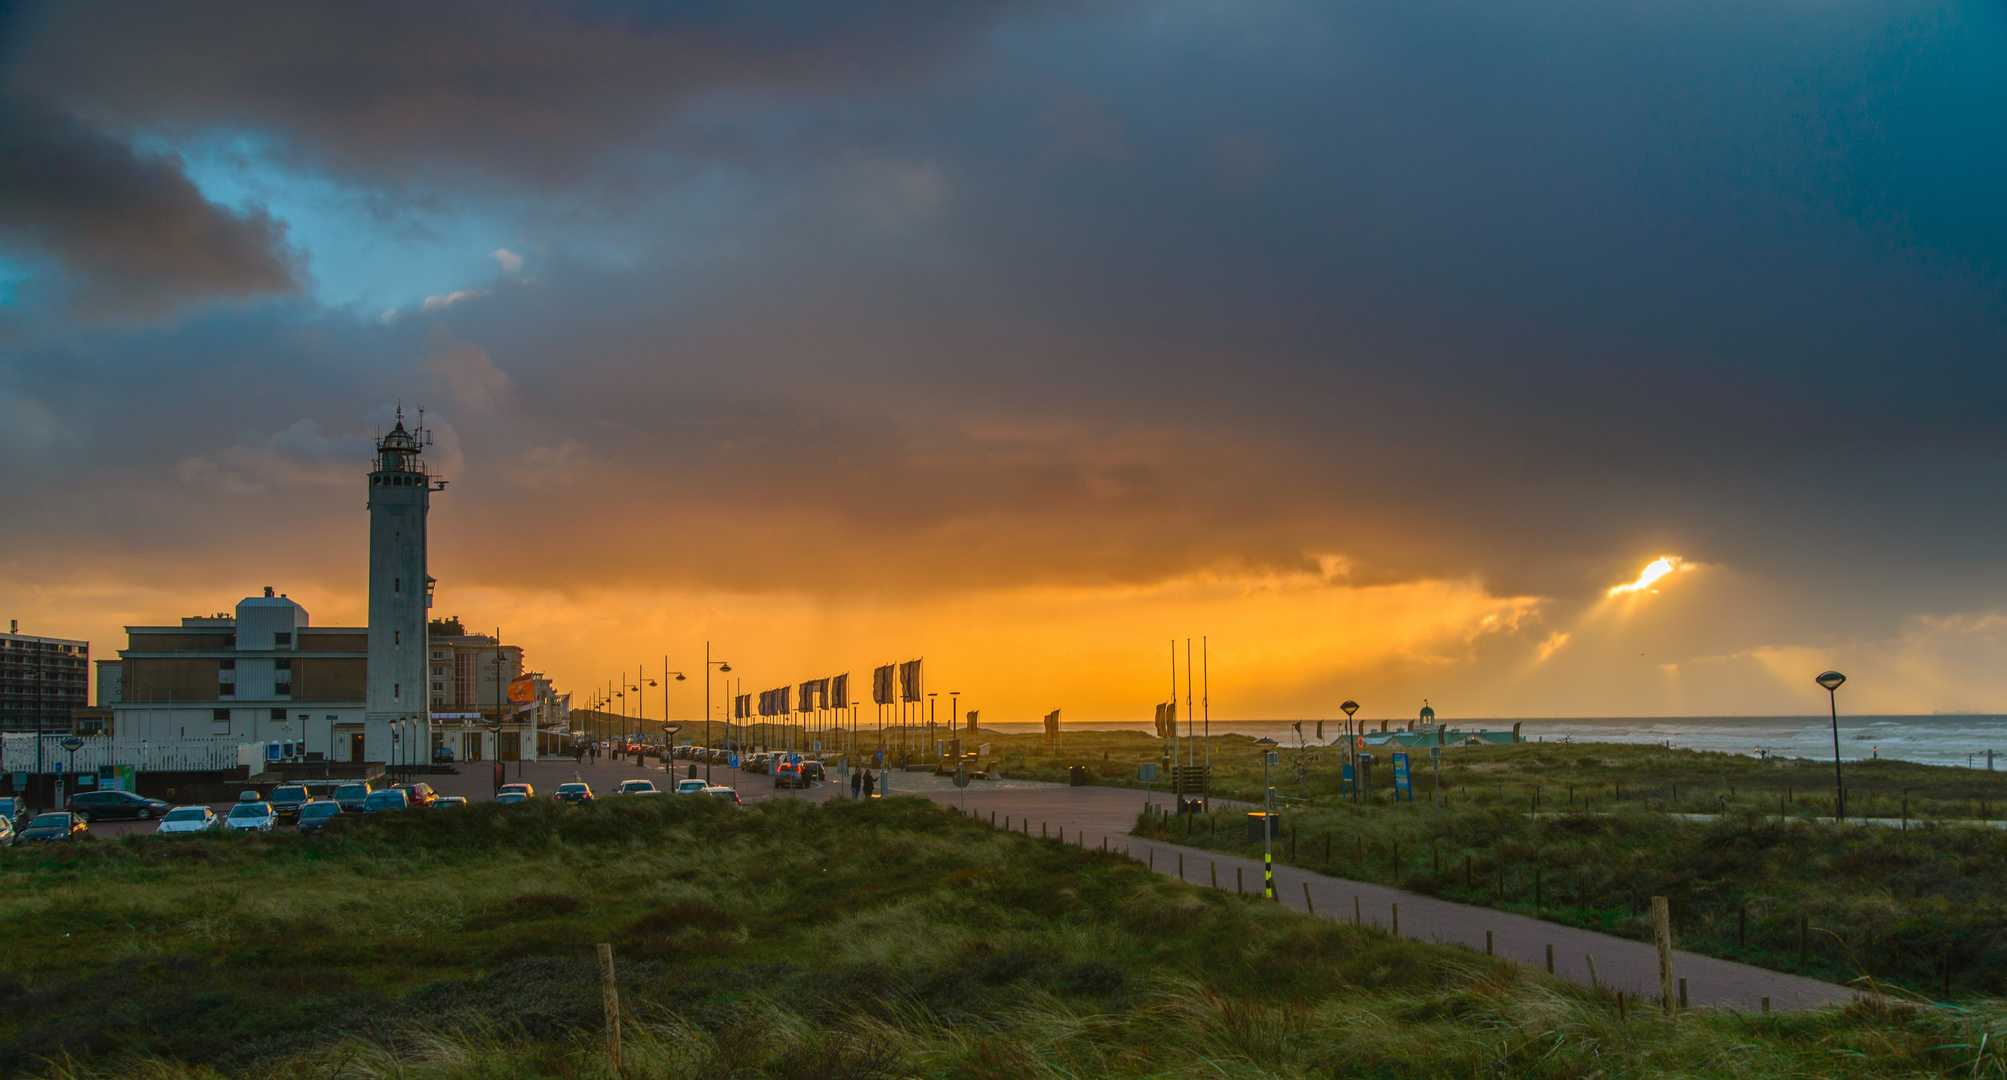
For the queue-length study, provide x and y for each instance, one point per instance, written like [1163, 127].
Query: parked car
[287, 799]
[189, 819]
[573, 793]
[449, 800]
[724, 793]
[6, 830]
[106, 805]
[689, 787]
[419, 795]
[812, 770]
[251, 817]
[15, 809]
[442, 756]
[638, 787]
[53, 828]
[523, 789]
[352, 797]
[789, 776]
[314, 816]
[394, 798]
[510, 798]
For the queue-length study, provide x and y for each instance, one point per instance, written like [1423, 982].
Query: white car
[689, 787]
[251, 816]
[187, 819]
[723, 793]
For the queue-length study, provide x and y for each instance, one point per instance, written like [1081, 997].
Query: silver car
[251, 817]
[188, 819]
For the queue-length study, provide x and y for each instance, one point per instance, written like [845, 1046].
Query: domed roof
[1428, 714]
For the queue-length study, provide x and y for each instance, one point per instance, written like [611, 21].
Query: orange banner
[523, 689]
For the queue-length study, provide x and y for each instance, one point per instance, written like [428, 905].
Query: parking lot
[476, 783]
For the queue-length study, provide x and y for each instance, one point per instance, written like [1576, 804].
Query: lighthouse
[400, 592]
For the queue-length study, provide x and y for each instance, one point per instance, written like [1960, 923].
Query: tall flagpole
[1189, 750]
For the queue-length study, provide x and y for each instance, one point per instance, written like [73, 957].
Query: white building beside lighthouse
[400, 590]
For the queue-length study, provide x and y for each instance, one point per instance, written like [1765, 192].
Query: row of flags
[1167, 719]
[830, 693]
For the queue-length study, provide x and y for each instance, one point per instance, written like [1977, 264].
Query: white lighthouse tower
[400, 592]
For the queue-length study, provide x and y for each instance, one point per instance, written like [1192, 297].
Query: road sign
[1147, 771]
[671, 729]
[961, 777]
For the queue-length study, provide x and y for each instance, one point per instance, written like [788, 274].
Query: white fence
[17, 754]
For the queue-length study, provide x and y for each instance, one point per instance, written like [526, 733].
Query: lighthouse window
[396, 584]
[396, 689]
[397, 637]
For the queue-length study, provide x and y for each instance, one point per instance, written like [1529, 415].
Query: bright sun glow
[1658, 568]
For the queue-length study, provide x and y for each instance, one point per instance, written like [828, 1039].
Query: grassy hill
[887, 939]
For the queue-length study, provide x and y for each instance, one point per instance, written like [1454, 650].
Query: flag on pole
[839, 691]
[1052, 726]
[881, 685]
[972, 721]
[909, 680]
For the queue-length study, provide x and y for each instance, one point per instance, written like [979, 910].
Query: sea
[1936, 739]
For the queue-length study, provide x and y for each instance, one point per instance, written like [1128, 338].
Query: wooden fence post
[612, 992]
[1662, 931]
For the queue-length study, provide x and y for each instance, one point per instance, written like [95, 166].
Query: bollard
[1153, 854]
[1682, 993]
[1550, 960]
[1239, 880]
[1307, 905]
[1595, 983]
[1356, 920]
[1766, 1004]
[1216, 876]
[1397, 920]
[1181, 866]
[1620, 1005]
[1487, 944]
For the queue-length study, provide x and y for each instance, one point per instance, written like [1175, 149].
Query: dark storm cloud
[528, 90]
[132, 234]
[1532, 293]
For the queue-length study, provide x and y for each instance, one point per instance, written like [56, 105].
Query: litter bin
[1076, 775]
[1254, 822]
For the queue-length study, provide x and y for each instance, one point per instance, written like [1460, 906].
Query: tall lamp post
[1351, 761]
[74, 744]
[668, 729]
[708, 665]
[1831, 680]
[1268, 746]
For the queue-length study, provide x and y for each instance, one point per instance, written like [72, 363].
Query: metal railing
[17, 754]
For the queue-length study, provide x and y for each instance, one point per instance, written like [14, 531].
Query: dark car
[442, 756]
[789, 776]
[812, 770]
[287, 799]
[419, 795]
[573, 793]
[352, 797]
[314, 816]
[54, 828]
[107, 805]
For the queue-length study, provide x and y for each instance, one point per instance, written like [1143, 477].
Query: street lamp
[668, 729]
[1268, 746]
[1349, 708]
[72, 744]
[1831, 680]
[722, 668]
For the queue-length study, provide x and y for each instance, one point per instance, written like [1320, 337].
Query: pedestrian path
[1092, 817]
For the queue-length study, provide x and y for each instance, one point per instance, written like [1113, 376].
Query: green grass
[884, 939]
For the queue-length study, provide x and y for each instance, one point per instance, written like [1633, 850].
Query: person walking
[856, 780]
[867, 783]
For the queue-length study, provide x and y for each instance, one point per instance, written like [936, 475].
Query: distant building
[260, 674]
[470, 678]
[41, 680]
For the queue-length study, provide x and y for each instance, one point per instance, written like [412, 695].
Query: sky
[1540, 359]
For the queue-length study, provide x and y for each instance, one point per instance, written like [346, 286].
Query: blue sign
[1401, 782]
[732, 760]
[794, 759]
[1345, 785]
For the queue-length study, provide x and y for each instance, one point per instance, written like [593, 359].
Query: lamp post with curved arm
[708, 665]
[1831, 680]
[668, 729]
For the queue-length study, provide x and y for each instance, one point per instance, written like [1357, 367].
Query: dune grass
[885, 939]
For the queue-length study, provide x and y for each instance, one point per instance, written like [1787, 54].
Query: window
[285, 664]
[282, 641]
[396, 690]
[226, 689]
[278, 714]
[397, 637]
[226, 665]
[229, 641]
[396, 584]
[438, 687]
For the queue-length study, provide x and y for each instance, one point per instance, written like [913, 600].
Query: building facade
[260, 674]
[471, 679]
[41, 680]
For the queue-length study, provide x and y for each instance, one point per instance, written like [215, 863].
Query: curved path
[1091, 816]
